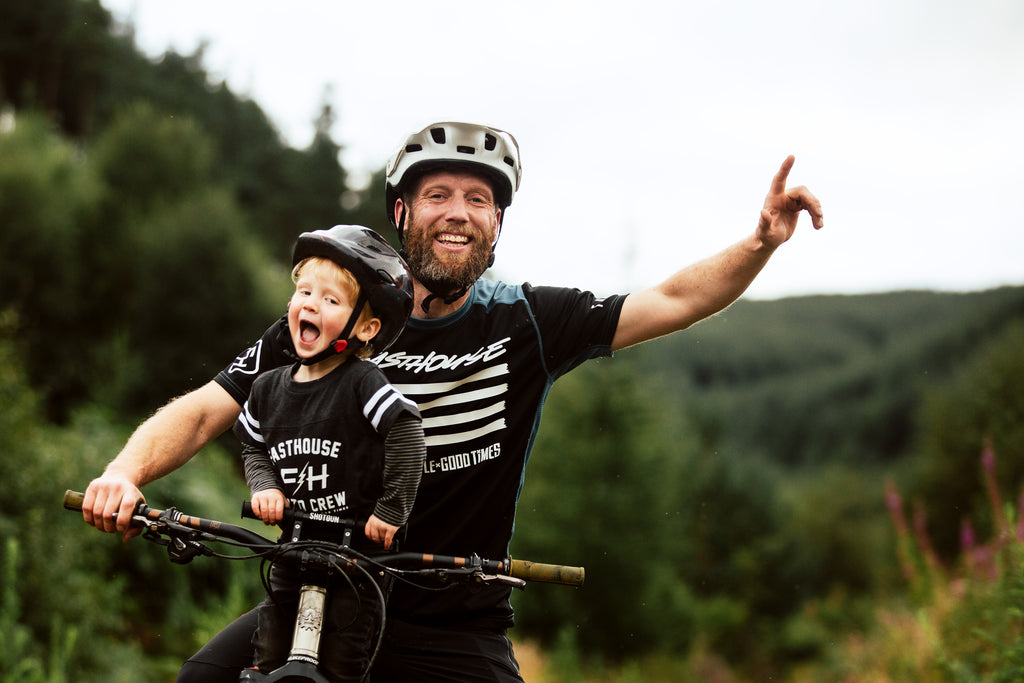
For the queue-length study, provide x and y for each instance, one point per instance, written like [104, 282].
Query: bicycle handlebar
[73, 500]
[518, 569]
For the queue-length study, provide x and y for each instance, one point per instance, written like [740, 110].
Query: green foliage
[306, 191]
[23, 660]
[983, 637]
[149, 158]
[282, 191]
[983, 402]
[835, 516]
[40, 234]
[48, 198]
[607, 524]
[77, 600]
[852, 367]
[964, 622]
[679, 543]
[194, 285]
[53, 57]
[39, 555]
[143, 255]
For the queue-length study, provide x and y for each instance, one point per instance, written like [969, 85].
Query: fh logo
[304, 477]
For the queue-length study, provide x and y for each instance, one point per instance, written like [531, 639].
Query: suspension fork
[304, 658]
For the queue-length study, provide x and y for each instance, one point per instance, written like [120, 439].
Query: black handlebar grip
[73, 500]
[547, 573]
[247, 510]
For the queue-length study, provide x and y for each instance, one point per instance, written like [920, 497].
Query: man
[478, 357]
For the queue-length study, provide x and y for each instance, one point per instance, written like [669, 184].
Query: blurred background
[821, 483]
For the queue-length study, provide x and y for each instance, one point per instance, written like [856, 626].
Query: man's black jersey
[480, 377]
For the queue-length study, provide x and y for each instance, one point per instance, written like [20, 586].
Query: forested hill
[817, 378]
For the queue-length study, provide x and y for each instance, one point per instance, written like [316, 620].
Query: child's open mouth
[308, 332]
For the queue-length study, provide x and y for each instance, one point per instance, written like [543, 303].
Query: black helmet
[492, 152]
[382, 275]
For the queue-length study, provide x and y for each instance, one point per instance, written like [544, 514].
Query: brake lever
[501, 578]
[152, 531]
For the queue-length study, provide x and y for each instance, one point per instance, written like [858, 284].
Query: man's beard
[446, 274]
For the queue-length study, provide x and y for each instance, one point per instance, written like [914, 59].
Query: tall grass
[22, 659]
[960, 621]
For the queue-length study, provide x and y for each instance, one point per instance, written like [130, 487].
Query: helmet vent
[438, 135]
[465, 149]
[414, 148]
[510, 161]
[490, 142]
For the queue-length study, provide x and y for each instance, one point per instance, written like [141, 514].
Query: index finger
[779, 181]
[123, 515]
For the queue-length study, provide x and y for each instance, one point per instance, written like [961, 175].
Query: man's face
[451, 225]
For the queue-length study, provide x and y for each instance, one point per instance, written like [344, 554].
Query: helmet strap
[400, 227]
[497, 236]
[343, 342]
[448, 300]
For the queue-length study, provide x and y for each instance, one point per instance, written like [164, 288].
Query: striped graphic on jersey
[377, 407]
[251, 424]
[463, 410]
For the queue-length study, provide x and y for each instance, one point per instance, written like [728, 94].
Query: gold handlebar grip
[547, 573]
[73, 500]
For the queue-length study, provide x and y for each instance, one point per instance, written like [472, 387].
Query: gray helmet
[382, 275]
[490, 151]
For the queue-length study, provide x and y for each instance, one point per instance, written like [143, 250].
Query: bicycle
[186, 536]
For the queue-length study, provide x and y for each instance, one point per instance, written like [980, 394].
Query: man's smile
[453, 239]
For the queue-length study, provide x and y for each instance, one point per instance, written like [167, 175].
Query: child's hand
[269, 505]
[380, 531]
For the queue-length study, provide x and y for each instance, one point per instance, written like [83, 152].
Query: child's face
[320, 308]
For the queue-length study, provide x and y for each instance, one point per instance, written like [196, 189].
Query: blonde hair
[343, 277]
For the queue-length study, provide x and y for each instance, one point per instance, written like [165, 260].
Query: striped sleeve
[259, 469]
[256, 463]
[404, 452]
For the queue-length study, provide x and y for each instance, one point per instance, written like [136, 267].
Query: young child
[329, 434]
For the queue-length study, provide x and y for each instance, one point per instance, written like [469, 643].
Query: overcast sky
[650, 130]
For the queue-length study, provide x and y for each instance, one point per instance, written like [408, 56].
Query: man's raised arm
[160, 445]
[707, 287]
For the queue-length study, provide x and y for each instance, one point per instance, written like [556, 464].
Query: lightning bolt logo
[308, 478]
[302, 479]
